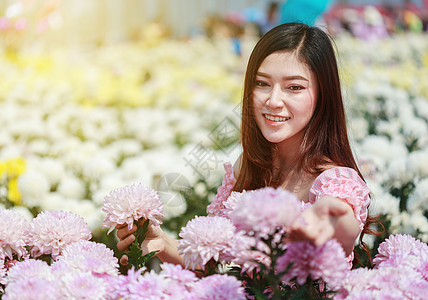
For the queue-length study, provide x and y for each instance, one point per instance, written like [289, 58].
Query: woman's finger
[124, 231]
[126, 242]
[124, 260]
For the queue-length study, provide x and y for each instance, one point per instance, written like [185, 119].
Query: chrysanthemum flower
[401, 283]
[400, 245]
[326, 262]
[30, 268]
[51, 231]
[131, 203]
[263, 211]
[76, 285]
[178, 274]
[2, 275]
[12, 228]
[33, 288]
[218, 287]
[205, 238]
[87, 256]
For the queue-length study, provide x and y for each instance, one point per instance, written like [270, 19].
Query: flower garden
[77, 125]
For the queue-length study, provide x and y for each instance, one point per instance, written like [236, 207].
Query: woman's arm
[327, 218]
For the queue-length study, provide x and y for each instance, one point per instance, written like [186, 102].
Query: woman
[293, 136]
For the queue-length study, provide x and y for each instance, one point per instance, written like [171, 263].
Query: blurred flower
[51, 231]
[221, 287]
[205, 238]
[12, 239]
[131, 203]
[326, 262]
[36, 288]
[87, 256]
[27, 269]
[33, 186]
[265, 210]
[400, 245]
[78, 285]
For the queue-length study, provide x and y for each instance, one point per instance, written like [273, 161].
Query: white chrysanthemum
[418, 162]
[33, 186]
[51, 231]
[71, 187]
[86, 256]
[130, 203]
[12, 240]
[98, 166]
[419, 198]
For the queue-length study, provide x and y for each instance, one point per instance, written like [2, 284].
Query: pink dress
[339, 182]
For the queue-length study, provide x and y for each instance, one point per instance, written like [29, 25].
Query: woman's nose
[276, 97]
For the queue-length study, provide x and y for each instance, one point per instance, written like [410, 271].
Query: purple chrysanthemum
[401, 245]
[205, 238]
[218, 287]
[52, 230]
[87, 256]
[131, 203]
[148, 286]
[263, 211]
[326, 262]
[12, 227]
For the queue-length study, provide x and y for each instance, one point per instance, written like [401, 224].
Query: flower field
[77, 124]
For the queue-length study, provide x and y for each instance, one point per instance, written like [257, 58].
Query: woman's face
[284, 97]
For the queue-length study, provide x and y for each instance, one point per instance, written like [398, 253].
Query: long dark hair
[325, 140]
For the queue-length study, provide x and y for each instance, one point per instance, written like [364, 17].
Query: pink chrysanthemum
[205, 238]
[148, 286]
[52, 230]
[30, 268]
[78, 285]
[248, 252]
[178, 274]
[131, 203]
[231, 203]
[402, 283]
[33, 289]
[263, 211]
[400, 245]
[2, 275]
[12, 227]
[218, 287]
[326, 262]
[87, 256]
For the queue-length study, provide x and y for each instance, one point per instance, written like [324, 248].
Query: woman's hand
[154, 240]
[327, 218]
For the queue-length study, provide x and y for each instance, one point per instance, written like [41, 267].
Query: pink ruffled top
[340, 182]
[223, 192]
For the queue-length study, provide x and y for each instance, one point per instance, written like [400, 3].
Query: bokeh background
[98, 94]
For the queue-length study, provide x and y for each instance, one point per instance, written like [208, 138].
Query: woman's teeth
[276, 119]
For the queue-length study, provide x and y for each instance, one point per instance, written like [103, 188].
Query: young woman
[293, 136]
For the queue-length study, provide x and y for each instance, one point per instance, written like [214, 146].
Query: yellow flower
[13, 193]
[15, 167]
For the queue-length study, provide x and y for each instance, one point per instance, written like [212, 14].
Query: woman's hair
[325, 140]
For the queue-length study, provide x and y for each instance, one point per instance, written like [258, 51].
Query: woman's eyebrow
[290, 77]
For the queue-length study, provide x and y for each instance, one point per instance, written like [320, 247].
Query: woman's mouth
[275, 118]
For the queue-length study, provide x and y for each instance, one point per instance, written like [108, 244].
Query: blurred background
[98, 94]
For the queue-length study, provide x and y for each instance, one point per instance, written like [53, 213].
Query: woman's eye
[296, 87]
[261, 83]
